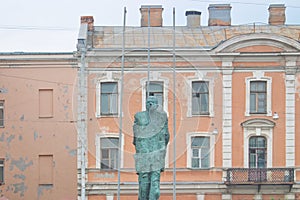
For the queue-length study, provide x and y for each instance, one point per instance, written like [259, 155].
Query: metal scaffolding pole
[148, 57]
[121, 105]
[174, 108]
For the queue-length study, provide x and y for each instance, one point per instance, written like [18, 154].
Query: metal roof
[185, 37]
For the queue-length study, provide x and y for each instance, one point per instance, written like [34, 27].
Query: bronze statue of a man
[151, 137]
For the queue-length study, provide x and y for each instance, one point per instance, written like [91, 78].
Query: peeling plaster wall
[25, 136]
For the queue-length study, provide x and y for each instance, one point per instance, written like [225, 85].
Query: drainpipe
[82, 105]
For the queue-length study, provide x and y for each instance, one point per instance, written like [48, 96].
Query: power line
[245, 3]
[39, 28]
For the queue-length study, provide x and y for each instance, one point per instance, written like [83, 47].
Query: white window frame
[210, 96]
[98, 97]
[165, 91]
[2, 108]
[258, 127]
[211, 151]
[98, 148]
[268, 81]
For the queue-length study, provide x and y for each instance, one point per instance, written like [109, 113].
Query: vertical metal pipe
[121, 105]
[148, 58]
[82, 119]
[174, 108]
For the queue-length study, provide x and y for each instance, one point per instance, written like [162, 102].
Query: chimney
[88, 20]
[193, 19]
[155, 15]
[276, 14]
[219, 15]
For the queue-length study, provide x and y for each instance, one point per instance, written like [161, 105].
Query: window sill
[107, 116]
[200, 169]
[107, 170]
[264, 114]
[45, 117]
[200, 115]
[45, 185]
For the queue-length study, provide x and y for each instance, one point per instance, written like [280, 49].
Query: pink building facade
[38, 131]
[231, 93]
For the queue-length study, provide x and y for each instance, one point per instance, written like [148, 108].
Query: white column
[200, 196]
[227, 114]
[226, 196]
[109, 196]
[290, 113]
[289, 196]
[258, 197]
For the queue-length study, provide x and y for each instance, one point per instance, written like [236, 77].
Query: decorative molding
[199, 76]
[211, 151]
[259, 76]
[98, 147]
[290, 116]
[258, 122]
[258, 127]
[227, 115]
[106, 77]
[155, 76]
[241, 41]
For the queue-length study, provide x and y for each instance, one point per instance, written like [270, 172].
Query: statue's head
[152, 103]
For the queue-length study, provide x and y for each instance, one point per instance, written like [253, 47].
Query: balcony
[271, 176]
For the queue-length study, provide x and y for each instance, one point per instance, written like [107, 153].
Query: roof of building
[206, 37]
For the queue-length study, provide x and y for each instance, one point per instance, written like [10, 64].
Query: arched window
[257, 152]
[258, 137]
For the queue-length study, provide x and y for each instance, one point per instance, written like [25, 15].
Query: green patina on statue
[151, 137]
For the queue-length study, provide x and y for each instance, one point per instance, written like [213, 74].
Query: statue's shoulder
[163, 114]
[141, 118]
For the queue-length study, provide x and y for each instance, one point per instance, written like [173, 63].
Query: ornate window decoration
[258, 95]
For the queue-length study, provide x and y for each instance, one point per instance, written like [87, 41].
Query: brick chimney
[88, 20]
[219, 15]
[155, 15]
[276, 14]
[193, 19]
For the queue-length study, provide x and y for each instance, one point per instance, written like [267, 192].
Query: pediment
[259, 42]
[258, 122]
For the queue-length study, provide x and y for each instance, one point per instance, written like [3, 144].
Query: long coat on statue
[151, 136]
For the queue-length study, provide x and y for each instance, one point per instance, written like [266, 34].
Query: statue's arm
[134, 125]
[167, 134]
[133, 142]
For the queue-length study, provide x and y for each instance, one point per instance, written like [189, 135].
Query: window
[109, 152]
[258, 140]
[200, 152]
[200, 98]
[1, 171]
[258, 97]
[258, 94]
[257, 152]
[45, 103]
[257, 158]
[156, 88]
[1, 113]
[109, 98]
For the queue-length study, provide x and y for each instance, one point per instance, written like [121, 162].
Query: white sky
[52, 25]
